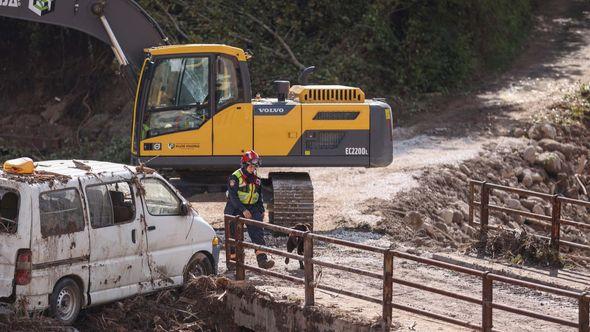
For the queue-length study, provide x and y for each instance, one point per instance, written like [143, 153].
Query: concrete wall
[256, 311]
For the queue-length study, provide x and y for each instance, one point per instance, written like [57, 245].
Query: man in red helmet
[245, 199]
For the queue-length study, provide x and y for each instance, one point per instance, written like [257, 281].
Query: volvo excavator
[194, 113]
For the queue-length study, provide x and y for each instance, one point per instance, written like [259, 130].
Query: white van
[77, 234]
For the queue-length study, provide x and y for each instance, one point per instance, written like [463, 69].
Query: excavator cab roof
[236, 52]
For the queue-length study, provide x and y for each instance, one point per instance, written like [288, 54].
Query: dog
[296, 241]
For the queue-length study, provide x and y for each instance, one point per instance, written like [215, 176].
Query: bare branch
[266, 48]
[278, 38]
[174, 22]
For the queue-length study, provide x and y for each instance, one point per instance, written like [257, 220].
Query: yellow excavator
[194, 112]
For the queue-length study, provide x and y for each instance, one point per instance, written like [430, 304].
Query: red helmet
[251, 157]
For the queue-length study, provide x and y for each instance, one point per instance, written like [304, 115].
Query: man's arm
[232, 188]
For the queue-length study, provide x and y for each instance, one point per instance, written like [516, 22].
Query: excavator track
[292, 199]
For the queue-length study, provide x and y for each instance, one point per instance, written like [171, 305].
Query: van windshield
[9, 204]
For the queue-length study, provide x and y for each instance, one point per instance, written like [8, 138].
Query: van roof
[79, 168]
[51, 170]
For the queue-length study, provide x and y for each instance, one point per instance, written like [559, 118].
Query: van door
[15, 233]
[116, 241]
[169, 237]
[59, 239]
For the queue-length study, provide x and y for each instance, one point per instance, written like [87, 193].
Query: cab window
[9, 203]
[160, 199]
[60, 212]
[229, 82]
[178, 97]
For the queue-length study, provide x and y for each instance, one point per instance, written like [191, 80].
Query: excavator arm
[122, 24]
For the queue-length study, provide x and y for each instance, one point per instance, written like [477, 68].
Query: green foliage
[387, 47]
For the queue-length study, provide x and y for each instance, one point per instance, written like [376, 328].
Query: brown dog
[296, 241]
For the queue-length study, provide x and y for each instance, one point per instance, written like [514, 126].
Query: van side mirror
[184, 208]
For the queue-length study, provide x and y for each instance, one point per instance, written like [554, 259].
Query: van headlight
[215, 241]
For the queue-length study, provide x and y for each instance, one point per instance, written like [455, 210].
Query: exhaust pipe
[282, 90]
[305, 75]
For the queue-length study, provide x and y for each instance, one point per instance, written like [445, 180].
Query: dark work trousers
[256, 233]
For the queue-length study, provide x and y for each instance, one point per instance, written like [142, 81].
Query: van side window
[110, 204]
[160, 200]
[61, 212]
[9, 203]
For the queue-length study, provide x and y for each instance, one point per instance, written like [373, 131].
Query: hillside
[66, 84]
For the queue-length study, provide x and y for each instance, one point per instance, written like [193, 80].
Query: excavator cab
[193, 100]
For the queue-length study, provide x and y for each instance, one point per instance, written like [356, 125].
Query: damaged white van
[79, 233]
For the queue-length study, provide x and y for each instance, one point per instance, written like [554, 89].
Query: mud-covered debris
[144, 169]
[198, 306]
[81, 165]
[37, 177]
[13, 319]
[195, 307]
[519, 248]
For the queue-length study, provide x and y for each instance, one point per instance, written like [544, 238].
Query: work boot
[264, 262]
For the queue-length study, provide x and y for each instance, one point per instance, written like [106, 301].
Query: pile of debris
[518, 248]
[549, 157]
[198, 306]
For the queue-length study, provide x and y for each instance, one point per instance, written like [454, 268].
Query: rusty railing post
[387, 289]
[471, 199]
[484, 215]
[240, 259]
[308, 266]
[228, 246]
[487, 297]
[584, 309]
[555, 228]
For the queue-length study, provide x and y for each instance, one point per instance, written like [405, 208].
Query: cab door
[232, 124]
[179, 105]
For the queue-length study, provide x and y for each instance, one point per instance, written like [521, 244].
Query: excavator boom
[122, 24]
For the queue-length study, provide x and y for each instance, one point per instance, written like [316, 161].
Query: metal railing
[553, 222]
[236, 241]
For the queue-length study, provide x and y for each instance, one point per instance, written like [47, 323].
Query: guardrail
[553, 222]
[236, 241]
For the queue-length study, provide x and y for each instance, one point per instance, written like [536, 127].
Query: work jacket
[244, 192]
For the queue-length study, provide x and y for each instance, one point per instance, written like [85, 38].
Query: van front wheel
[66, 301]
[199, 265]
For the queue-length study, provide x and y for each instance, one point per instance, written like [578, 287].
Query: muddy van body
[77, 234]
